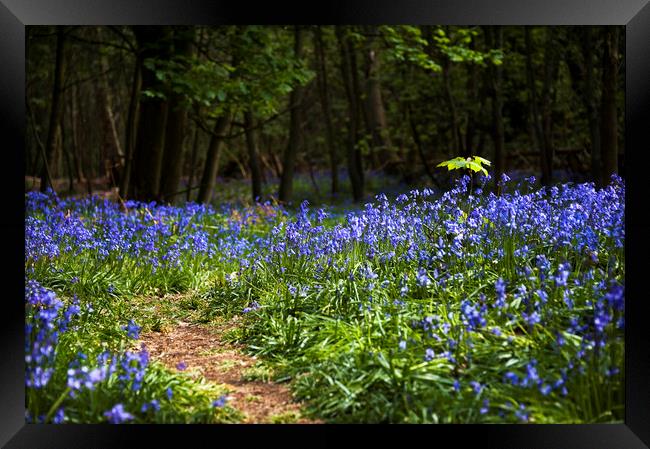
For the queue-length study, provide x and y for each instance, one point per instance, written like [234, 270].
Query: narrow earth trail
[204, 353]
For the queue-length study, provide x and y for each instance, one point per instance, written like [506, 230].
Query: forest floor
[203, 351]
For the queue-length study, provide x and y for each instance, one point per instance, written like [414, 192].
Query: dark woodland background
[173, 113]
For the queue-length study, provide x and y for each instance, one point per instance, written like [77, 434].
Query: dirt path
[203, 351]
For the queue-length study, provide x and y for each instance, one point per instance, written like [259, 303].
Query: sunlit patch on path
[200, 351]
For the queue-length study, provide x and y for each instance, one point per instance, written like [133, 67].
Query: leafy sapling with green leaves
[472, 164]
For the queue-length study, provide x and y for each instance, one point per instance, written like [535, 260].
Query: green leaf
[480, 160]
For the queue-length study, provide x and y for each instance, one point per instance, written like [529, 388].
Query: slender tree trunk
[590, 98]
[55, 111]
[112, 149]
[253, 155]
[323, 92]
[172, 168]
[68, 160]
[474, 104]
[453, 111]
[608, 110]
[39, 142]
[381, 142]
[495, 35]
[76, 159]
[360, 111]
[150, 139]
[295, 134]
[534, 111]
[131, 126]
[195, 151]
[209, 178]
[418, 144]
[355, 169]
[551, 67]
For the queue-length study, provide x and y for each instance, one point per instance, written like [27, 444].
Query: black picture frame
[634, 14]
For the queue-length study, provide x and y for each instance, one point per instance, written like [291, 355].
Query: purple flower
[220, 402]
[59, 416]
[511, 377]
[152, 405]
[500, 287]
[429, 354]
[423, 278]
[545, 389]
[133, 330]
[117, 415]
[522, 414]
[181, 366]
[253, 306]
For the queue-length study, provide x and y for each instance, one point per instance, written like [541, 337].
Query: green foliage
[256, 71]
[406, 44]
[474, 163]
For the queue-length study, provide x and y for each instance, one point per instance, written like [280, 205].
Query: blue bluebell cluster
[47, 318]
[539, 262]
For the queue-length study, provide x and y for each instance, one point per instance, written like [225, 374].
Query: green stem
[56, 404]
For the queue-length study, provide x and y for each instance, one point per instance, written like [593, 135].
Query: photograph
[325, 224]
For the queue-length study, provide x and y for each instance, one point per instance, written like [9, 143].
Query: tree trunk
[73, 116]
[495, 35]
[55, 111]
[295, 135]
[211, 167]
[381, 142]
[453, 112]
[418, 144]
[172, 167]
[192, 168]
[353, 154]
[323, 92]
[590, 98]
[533, 108]
[551, 67]
[150, 139]
[112, 149]
[608, 110]
[173, 153]
[68, 159]
[131, 127]
[253, 156]
[474, 104]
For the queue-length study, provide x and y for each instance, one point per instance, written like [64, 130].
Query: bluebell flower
[117, 415]
[59, 416]
[423, 278]
[511, 377]
[500, 287]
[522, 413]
[154, 405]
[486, 406]
[133, 330]
[252, 307]
[220, 402]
